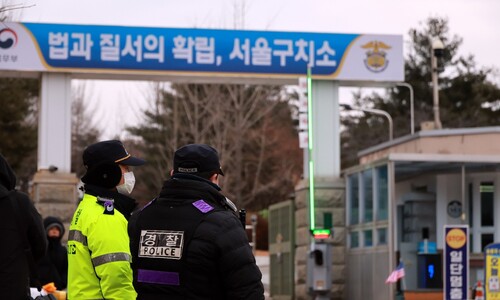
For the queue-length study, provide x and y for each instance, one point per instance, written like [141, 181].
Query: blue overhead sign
[205, 52]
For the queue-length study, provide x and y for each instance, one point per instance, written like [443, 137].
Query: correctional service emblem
[376, 60]
[165, 244]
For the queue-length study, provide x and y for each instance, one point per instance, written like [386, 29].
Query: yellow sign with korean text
[491, 280]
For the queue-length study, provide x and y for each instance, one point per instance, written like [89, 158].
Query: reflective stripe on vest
[110, 257]
[77, 236]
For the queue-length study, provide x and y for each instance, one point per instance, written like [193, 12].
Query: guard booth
[401, 196]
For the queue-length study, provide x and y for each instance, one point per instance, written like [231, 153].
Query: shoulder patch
[109, 206]
[148, 204]
[202, 206]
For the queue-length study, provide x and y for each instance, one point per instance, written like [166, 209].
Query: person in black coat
[53, 267]
[22, 234]
[189, 243]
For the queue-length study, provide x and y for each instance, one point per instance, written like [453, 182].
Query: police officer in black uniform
[188, 242]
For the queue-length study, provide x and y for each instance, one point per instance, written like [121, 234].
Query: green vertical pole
[312, 207]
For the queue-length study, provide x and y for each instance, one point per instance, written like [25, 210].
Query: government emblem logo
[8, 38]
[376, 60]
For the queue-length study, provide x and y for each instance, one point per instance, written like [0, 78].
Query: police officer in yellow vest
[98, 243]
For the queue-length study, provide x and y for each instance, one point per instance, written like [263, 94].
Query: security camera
[437, 47]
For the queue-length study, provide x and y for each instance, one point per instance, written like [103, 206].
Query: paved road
[263, 263]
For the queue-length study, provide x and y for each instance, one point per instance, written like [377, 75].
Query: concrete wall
[55, 194]
[329, 193]
[366, 274]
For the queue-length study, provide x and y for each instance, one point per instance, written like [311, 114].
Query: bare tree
[8, 11]
[239, 121]
[83, 128]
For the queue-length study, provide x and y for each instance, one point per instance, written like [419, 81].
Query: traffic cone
[479, 291]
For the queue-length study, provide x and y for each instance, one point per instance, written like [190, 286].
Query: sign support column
[54, 186]
[54, 131]
[320, 199]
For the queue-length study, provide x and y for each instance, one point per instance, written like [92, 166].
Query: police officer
[98, 244]
[22, 236]
[188, 243]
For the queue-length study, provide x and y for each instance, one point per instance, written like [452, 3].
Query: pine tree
[467, 95]
[18, 126]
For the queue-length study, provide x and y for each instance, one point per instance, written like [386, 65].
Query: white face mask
[128, 184]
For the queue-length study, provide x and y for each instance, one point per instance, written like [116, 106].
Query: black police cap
[102, 161]
[109, 151]
[196, 158]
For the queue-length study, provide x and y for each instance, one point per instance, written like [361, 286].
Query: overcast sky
[476, 21]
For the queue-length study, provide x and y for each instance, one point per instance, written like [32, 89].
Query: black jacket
[53, 267]
[188, 245]
[14, 266]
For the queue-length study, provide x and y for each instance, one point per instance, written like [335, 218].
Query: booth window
[368, 207]
[368, 238]
[486, 239]
[353, 184]
[486, 190]
[481, 194]
[471, 205]
[382, 192]
[354, 240]
[368, 195]
[382, 236]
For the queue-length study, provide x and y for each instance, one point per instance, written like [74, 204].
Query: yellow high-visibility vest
[99, 254]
